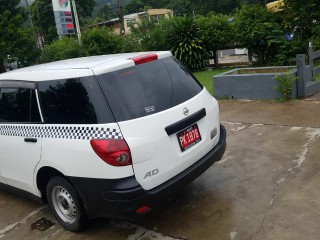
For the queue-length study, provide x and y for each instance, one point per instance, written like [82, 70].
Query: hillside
[112, 3]
[100, 3]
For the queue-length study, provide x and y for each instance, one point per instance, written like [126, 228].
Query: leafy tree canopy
[85, 7]
[255, 27]
[302, 17]
[217, 31]
[136, 6]
[105, 12]
[16, 41]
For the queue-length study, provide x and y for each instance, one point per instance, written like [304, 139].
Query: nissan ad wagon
[105, 136]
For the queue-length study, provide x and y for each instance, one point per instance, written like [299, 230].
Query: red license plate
[189, 137]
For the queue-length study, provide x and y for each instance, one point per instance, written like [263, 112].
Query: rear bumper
[121, 198]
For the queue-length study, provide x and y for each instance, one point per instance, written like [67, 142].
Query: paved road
[265, 187]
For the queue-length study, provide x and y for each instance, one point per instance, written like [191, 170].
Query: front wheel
[66, 205]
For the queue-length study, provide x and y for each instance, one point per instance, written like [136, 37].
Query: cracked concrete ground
[265, 187]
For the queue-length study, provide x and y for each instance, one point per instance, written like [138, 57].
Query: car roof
[85, 66]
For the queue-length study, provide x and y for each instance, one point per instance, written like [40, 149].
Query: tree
[181, 7]
[28, 53]
[15, 40]
[302, 17]
[105, 12]
[217, 32]
[316, 37]
[85, 7]
[135, 6]
[256, 28]
[43, 16]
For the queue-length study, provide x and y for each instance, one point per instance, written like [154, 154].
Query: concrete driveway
[265, 187]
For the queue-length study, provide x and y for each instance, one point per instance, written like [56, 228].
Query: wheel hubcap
[64, 204]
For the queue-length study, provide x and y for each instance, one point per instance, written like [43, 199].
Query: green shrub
[151, 36]
[99, 41]
[185, 40]
[285, 81]
[287, 51]
[131, 44]
[61, 49]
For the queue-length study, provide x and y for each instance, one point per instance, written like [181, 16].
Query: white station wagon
[105, 136]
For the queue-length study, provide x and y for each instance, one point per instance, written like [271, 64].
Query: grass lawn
[205, 77]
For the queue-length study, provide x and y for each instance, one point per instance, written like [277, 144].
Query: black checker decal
[67, 132]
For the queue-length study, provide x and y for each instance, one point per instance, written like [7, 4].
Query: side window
[73, 101]
[18, 105]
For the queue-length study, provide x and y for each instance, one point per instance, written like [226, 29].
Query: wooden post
[311, 57]
[216, 58]
[250, 56]
[301, 72]
[2, 67]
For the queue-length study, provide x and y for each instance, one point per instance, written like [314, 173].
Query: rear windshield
[148, 88]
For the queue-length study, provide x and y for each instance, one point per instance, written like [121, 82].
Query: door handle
[31, 140]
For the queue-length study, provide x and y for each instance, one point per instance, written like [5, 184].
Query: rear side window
[148, 88]
[73, 101]
[18, 105]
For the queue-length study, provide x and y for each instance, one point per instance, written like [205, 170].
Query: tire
[66, 204]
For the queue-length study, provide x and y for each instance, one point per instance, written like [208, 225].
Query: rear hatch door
[165, 116]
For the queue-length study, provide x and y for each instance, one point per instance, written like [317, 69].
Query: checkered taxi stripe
[67, 132]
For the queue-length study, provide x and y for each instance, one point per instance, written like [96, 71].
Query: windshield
[148, 88]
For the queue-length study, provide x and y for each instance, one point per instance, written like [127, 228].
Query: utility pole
[120, 18]
[76, 19]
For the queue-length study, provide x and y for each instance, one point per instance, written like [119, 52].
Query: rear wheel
[66, 205]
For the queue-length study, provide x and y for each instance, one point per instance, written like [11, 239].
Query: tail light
[145, 58]
[115, 152]
[143, 209]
